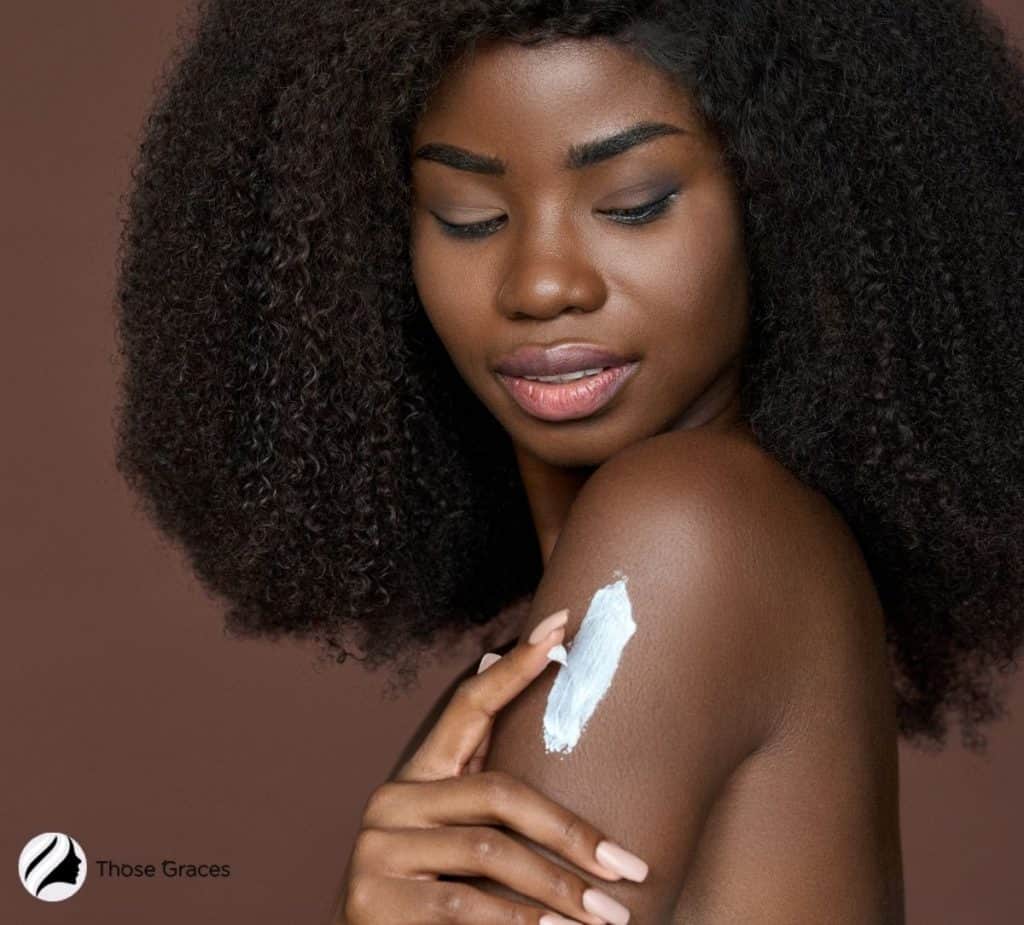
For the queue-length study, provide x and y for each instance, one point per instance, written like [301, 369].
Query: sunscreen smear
[591, 663]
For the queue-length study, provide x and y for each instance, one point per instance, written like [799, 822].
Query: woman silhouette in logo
[431, 310]
[56, 863]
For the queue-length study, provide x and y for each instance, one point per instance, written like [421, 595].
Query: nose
[545, 286]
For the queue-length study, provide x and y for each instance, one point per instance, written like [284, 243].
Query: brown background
[129, 721]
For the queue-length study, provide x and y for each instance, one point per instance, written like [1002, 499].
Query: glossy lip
[568, 401]
[555, 359]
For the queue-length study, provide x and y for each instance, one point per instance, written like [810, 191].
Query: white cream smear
[588, 667]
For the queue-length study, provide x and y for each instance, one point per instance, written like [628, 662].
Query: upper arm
[700, 683]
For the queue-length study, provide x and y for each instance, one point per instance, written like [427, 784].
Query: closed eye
[638, 215]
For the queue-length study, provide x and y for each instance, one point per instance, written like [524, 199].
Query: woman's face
[548, 259]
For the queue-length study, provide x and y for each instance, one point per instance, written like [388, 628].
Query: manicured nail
[541, 630]
[618, 859]
[558, 654]
[489, 659]
[551, 919]
[603, 905]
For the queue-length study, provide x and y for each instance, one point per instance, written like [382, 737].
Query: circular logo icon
[52, 867]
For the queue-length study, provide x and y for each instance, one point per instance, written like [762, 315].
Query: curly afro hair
[291, 420]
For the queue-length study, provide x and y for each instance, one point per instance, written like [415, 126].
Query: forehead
[512, 100]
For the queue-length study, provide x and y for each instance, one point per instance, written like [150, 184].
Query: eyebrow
[578, 156]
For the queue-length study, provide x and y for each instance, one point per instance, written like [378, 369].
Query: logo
[52, 867]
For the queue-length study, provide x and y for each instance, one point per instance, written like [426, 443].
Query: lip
[551, 401]
[555, 359]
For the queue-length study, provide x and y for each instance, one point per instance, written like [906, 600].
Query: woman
[778, 246]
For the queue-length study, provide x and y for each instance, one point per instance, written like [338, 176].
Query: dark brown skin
[747, 750]
[439, 816]
[672, 291]
[747, 747]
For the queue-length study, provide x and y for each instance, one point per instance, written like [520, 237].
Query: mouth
[576, 398]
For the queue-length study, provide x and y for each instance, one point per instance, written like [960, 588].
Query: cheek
[693, 278]
[432, 275]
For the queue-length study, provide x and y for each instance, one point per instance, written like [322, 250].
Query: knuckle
[468, 693]
[499, 789]
[466, 686]
[377, 802]
[484, 845]
[561, 887]
[451, 902]
[572, 832]
[368, 843]
[359, 900]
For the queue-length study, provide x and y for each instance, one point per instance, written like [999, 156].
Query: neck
[551, 491]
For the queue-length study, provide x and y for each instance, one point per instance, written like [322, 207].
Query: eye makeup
[637, 215]
[588, 666]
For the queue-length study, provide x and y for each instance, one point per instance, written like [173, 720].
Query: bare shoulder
[684, 565]
[820, 634]
[752, 523]
[730, 476]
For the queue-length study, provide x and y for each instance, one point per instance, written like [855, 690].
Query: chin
[570, 446]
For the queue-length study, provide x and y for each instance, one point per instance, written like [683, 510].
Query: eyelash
[639, 215]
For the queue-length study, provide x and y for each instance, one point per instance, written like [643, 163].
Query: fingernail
[619, 860]
[558, 654]
[489, 659]
[541, 630]
[551, 919]
[603, 905]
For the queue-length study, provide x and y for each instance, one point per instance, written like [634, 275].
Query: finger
[469, 715]
[413, 903]
[476, 764]
[482, 851]
[492, 798]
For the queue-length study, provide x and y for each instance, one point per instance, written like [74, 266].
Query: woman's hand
[436, 818]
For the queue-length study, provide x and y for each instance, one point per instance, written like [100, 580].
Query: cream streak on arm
[589, 666]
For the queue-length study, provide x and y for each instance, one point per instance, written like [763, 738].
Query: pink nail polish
[618, 859]
[603, 905]
[489, 659]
